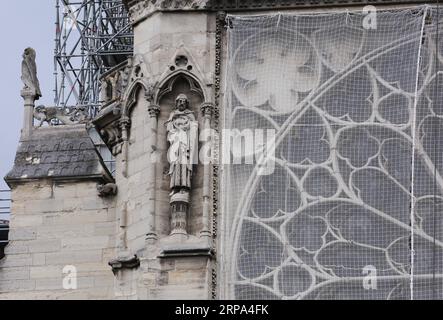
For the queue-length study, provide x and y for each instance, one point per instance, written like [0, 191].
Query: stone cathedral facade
[351, 104]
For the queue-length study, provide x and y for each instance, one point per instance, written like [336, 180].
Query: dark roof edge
[105, 178]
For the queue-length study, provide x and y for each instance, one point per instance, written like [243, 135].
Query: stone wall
[183, 278]
[159, 40]
[134, 187]
[55, 224]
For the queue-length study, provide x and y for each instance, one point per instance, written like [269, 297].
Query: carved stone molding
[56, 115]
[125, 122]
[113, 84]
[219, 32]
[168, 87]
[112, 136]
[136, 71]
[141, 9]
[124, 263]
[186, 250]
[207, 109]
[184, 64]
[153, 110]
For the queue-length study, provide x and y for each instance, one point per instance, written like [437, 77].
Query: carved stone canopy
[107, 124]
[119, 88]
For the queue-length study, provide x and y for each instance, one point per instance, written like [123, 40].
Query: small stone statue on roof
[29, 73]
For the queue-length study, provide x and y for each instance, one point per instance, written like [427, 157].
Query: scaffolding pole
[92, 36]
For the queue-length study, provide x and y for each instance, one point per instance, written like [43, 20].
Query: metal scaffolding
[92, 36]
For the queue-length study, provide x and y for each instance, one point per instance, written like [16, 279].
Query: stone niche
[177, 266]
[179, 84]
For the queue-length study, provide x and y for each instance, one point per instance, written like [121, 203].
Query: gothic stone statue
[29, 73]
[106, 190]
[67, 115]
[182, 134]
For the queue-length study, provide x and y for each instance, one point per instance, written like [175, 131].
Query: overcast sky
[23, 23]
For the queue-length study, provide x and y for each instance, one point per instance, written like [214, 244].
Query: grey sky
[23, 23]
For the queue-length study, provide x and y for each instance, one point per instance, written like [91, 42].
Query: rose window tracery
[357, 184]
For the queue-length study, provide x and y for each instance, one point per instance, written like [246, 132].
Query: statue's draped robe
[29, 72]
[182, 131]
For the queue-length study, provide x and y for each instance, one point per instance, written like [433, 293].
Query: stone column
[154, 111]
[125, 124]
[121, 236]
[206, 110]
[29, 98]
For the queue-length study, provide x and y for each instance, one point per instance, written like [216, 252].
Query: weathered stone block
[38, 246]
[191, 263]
[184, 277]
[16, 285]
[41, 206]
[18, 221]
[74, 257]
[94, 269]
[105, 228]
[64, 231]
[76, 218]
[14, 273]
[38, 259]
[104, 281]
[45, 272]
[97, 242]
[16, 247]
[65, 190]
[22, 233]
[57, 284]
[16, 260]
[32, 190]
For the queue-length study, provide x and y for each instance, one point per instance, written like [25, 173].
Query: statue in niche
[29, 73]
[182, 135]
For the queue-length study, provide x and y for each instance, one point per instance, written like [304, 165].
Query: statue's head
[40, 109]
[29, 52]
[182, 102]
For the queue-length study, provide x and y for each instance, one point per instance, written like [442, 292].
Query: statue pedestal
[179, 213]
[177, 270]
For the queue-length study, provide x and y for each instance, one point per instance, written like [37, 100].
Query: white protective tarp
[357, 186]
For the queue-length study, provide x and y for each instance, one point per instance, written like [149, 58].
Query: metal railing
[111, 166]
[5, 212]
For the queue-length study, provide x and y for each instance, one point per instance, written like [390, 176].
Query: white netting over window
[357, 185]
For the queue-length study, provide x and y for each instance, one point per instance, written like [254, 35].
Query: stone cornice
[140, 9]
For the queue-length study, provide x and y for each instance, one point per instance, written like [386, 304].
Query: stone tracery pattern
[355, 154]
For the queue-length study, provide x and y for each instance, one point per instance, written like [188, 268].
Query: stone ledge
[190, 247]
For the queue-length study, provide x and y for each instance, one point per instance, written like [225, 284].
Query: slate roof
[59, 152]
